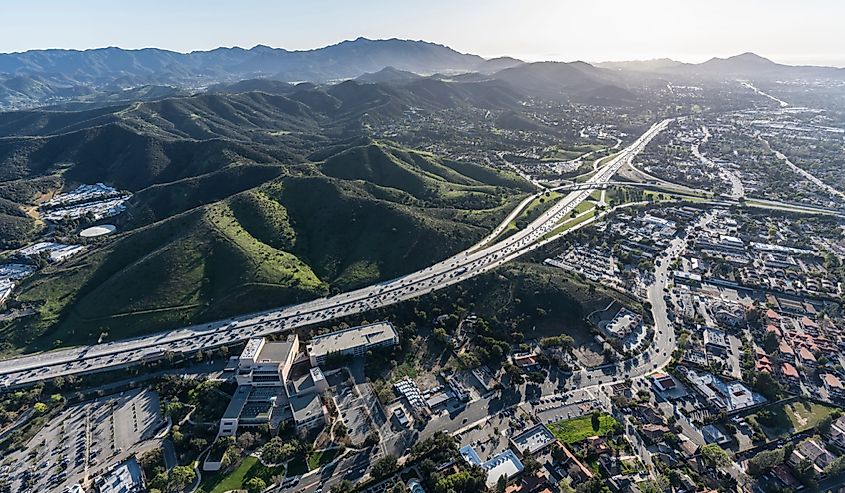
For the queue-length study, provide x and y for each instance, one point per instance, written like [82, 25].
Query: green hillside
[291, 239]
[240, 202]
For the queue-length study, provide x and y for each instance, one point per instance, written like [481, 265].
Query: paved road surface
[465, 265]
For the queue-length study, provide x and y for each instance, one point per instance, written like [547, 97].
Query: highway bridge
[32, 368]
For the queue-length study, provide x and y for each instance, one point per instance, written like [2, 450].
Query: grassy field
[249, 468]
[607, 159]
[786, 419]
[576, 429]
[297, 466]
[570, 223]
[323, 457]
[531, 211]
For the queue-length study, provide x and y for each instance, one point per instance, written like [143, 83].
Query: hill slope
[240, 202]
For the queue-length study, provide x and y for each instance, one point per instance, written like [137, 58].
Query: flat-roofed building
[355, 341]
[506, 464]
[122, 478]
[715, 341]
[622, 324]
[308, 411]
[533, 440]
[250, 406]
[266, 363]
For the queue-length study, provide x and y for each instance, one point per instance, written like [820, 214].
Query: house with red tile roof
[806, 358]
[833, 385]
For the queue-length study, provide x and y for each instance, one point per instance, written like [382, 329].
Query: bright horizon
[611, 30]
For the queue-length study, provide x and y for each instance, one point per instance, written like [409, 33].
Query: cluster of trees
[563, 341]
[176, 480]
[277, 450]
[152, 462]
[470, 480]
[14, 403]
[767, 460]
[714, 455]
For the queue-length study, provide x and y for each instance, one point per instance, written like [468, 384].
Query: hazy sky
[789, 31]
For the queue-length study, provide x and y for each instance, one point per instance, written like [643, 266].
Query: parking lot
[490, 438]
[557, 407]
[353, 412]
[84, 439]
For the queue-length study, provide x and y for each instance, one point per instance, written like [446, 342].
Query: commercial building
[269, 392]
[123, 478]
[355, 341]
[251, 406]
[622, 324]
[533, 440]
[264, 363]
[503, 464]
[307, 410]
[263, 394]
[728, 397]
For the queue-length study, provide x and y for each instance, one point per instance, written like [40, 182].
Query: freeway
[462, 266]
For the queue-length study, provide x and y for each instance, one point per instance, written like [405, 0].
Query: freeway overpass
[600, 186]
[32, 368]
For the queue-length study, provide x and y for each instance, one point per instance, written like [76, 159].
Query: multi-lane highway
[36, 367]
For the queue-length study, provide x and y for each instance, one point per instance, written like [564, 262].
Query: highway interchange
[467, 264]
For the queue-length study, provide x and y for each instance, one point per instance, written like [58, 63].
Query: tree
[837, 466]
[385, 466]
[771, 343]
[345, 486]
[806, 473]
[823, 428]
[276, 450]
[246, 440]
[531, 464]
[255, 485]
[595, 420]
[714, 455]
[40, 407]
[558, 455]
[372, 439]
[180, 477]
[152, 462]
[767, 385]
[502, 484]
[656, 485]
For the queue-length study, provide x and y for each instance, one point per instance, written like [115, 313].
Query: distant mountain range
[746, 65]
[44, 77]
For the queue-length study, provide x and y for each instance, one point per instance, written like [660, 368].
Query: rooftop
[253, 346]
[341, 340]
[275, 352]
[832, 381]
[533, 439]
[122, 479]
[505, 464]
[306, 406]
[236, 405]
